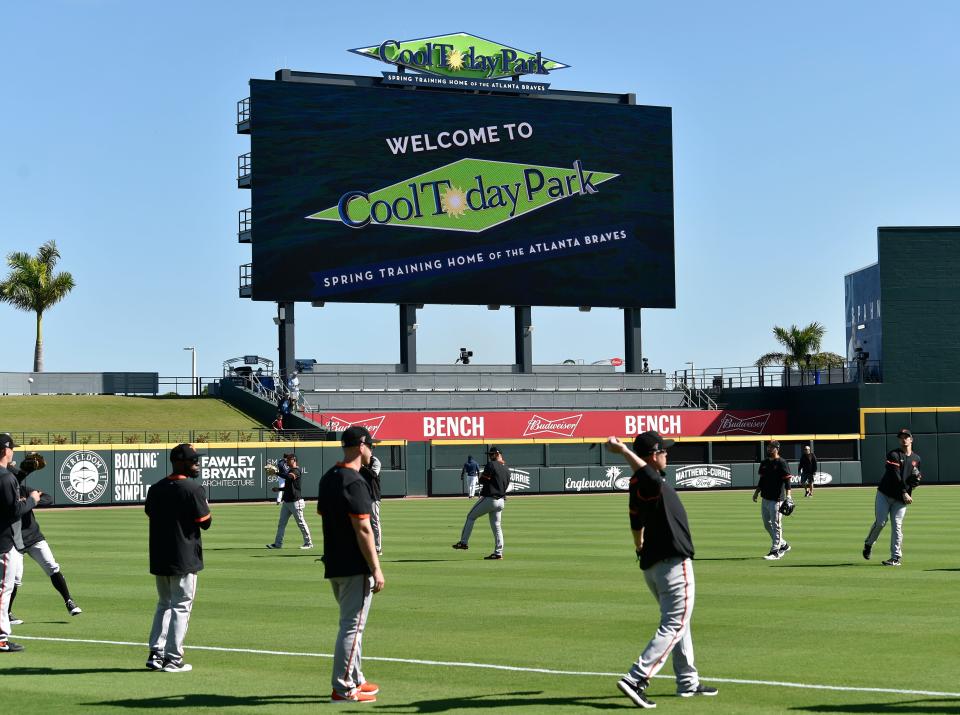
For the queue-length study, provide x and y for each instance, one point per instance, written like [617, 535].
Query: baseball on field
[29, 379]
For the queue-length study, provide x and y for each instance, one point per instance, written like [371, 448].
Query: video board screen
[385, 195]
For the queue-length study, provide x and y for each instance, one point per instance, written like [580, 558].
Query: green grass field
[52, 413]
[567, 597]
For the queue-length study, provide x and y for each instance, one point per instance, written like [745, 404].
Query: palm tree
[32, 285]
[802, 349]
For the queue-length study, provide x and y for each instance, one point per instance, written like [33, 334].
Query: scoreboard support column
[523, 337]
[632, 340]
[408, 337]
[285, 339]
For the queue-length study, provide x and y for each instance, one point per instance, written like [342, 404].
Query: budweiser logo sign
[338, 424]
[562, 426]
[750, 425]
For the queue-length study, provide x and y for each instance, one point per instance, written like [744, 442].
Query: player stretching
[664, 548]
[900, 478]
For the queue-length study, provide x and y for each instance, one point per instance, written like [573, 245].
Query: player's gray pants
[772, 521]
[671, 583]
[375, 525]
[354, 594]
[294, 509]
[886, 508]
[41, 553]
[174, 603]
[493, 507]
[10, 563]
[470, 485]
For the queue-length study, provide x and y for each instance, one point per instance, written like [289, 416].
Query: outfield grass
[568, 596]
[55, 413]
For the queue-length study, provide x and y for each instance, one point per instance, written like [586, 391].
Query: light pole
[193, 369]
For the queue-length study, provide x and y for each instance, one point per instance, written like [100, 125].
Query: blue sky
[798, 129]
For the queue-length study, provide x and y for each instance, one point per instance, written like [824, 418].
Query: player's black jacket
[494, 481]
[808, 465]
[12, 510]
[656, 508]
[291, 485]
[178, 510]
[372, 475]
[774, 479]
[29, 526]
[901, 474]
[343, 493]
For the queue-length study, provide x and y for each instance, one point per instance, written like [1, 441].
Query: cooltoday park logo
[468, 195]
[460, 55]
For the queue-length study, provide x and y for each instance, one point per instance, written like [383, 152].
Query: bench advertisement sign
[433, 426]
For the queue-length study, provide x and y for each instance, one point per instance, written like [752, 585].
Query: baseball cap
[773, 443]
[183, 453]
[7, 441]
[356, 435]
[904, 432]
[494, 450]
[649, 442]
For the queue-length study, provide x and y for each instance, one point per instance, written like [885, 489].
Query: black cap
[650, 442]
[183, 453]
[773, 443]
[7, 441]
[904, 432]
[494, 450]
[356, 435]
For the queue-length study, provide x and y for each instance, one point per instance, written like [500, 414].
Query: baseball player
[371, 473]
[470, 475]
[895, 492]
[807, 469]
[774, 485]
[292, 506]
[494, 483]
[177, 508]
[350, 561]
[35, 544]
[661, 537]
[12, 509]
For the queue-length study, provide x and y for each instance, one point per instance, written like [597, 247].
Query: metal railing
[244, 166]
[246, 280]
[244, 221]
[716, 379]
[243, 110]
[481, 382]
[150, 436]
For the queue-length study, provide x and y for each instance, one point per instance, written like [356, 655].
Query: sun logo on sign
[454, 202]
[455, 60]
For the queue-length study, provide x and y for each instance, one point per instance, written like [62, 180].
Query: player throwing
[661, 537]
[895, 492]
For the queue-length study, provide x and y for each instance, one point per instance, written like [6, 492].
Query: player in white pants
[292, 506]
[894, 493]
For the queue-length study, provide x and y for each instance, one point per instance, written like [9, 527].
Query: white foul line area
[512, 668]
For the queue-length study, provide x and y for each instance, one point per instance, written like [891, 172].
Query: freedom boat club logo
[460, 55]
[470, 195]
[83, 477]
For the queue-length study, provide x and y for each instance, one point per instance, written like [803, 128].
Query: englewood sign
[430, 426]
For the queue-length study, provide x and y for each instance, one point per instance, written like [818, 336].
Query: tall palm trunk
[38, 347]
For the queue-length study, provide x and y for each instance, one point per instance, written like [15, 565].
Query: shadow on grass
[931, 706]
[67, 671]
[417, 561]
[731, 558]
[501, 701]
[815, 566]
[957, 569]
[211, 700]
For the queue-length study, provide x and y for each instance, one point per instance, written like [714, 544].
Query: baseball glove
[913, 480]
[32, 462]
[787, 507]
[270, 469]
